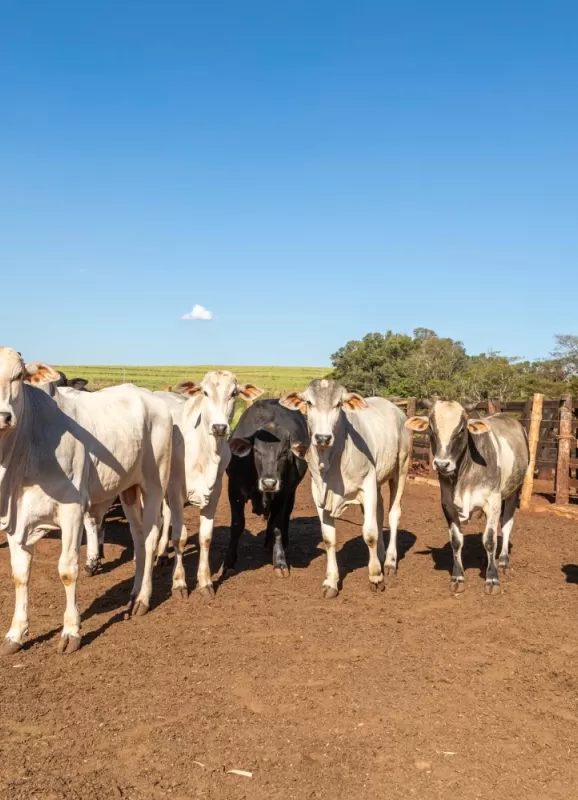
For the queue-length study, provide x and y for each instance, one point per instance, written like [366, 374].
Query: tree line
[425, 364]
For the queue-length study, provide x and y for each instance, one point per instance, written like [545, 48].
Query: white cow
[60, 458]
[356, 445]
[201, 455]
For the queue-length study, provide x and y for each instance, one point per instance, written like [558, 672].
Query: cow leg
[152, 503]
[20, 561]
[204, 580]
[134, 515]
[179, 540]
[490, 539]
[330, 585]
[279, 533]
[510, 504]
[396, 489]
[380, 516]
[371, 536]
[92, 529]
[71, 523]
[162, 555]
[237, 504]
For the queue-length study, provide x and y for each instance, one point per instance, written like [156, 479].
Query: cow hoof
[329, 592]
[377, 587]
[504, 566]
[180, 593]
[68, 644]
[162, 561]
[10, 647]
[139, 609]
[207, 592]
[92, 569]
[390, 572]
[457, 587]
[493, 588]
[281, 572]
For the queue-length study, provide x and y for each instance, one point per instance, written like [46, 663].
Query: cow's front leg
[71, 522]
[204, 579]
[20, 561]
[93, 529]
[371, 536]
[330, 585]
[237, 503]
[179, 540]
[490, 539]
[457, 583]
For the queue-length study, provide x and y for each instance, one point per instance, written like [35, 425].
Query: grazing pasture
[274, 380]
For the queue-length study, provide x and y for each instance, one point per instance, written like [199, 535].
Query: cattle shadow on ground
[117, 532]
[571, 572]
[354, 554]
[304, 538]
[473, 554]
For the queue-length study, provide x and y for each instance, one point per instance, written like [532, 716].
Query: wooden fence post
[410, 411]
[565, 439]
[533, 438]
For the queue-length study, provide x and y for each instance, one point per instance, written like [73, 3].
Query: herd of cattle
[66, 454]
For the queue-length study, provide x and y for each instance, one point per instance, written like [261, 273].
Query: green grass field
[274, 380]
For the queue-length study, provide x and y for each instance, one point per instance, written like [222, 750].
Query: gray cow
[481, 464]
[356, 445]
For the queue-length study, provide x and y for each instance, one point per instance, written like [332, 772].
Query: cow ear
[419, 424]
[188, 388]
[299, 449]
[78, 383]
[37, 373]
[294, 401]
[240, 447]
[476, 426]
[353, 401]
[249, 392]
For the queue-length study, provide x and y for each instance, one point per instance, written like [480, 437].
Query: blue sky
[308, 170]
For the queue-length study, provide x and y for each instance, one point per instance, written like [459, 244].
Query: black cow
[267, 465]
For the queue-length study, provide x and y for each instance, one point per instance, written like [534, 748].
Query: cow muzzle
[269, 485]
[444, 466]
[7, 420]
[219, 430]
[323, 439]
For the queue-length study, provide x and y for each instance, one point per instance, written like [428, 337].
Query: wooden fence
[551, 426]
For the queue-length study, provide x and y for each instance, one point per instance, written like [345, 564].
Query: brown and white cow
[356, 445]
[481, 464]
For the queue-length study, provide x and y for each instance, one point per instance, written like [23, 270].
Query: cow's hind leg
[179, 540]
[71, 522]
[490, 539]
[162, 554]
[20, 561]
[371, 535]
[396, 489]
[131, 504]
[510, 504]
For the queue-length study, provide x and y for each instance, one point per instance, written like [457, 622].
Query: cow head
[448, 426]
[323, 401]
[271, 447]
[13, 374]
[219, 390]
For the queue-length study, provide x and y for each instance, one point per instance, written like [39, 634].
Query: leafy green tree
[376, 364]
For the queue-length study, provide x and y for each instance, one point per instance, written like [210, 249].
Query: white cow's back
[381, 435]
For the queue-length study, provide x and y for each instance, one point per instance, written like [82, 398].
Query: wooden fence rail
[551, 426]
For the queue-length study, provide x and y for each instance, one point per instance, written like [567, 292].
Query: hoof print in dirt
[68, 645]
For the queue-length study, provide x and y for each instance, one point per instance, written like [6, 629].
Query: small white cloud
[199, 312]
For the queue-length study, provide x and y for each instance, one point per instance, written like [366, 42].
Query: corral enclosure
[274, 380]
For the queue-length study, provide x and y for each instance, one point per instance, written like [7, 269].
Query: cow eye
[205, 393]
[309, 404]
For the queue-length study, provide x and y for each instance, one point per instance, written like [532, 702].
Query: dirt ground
[409, 693]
